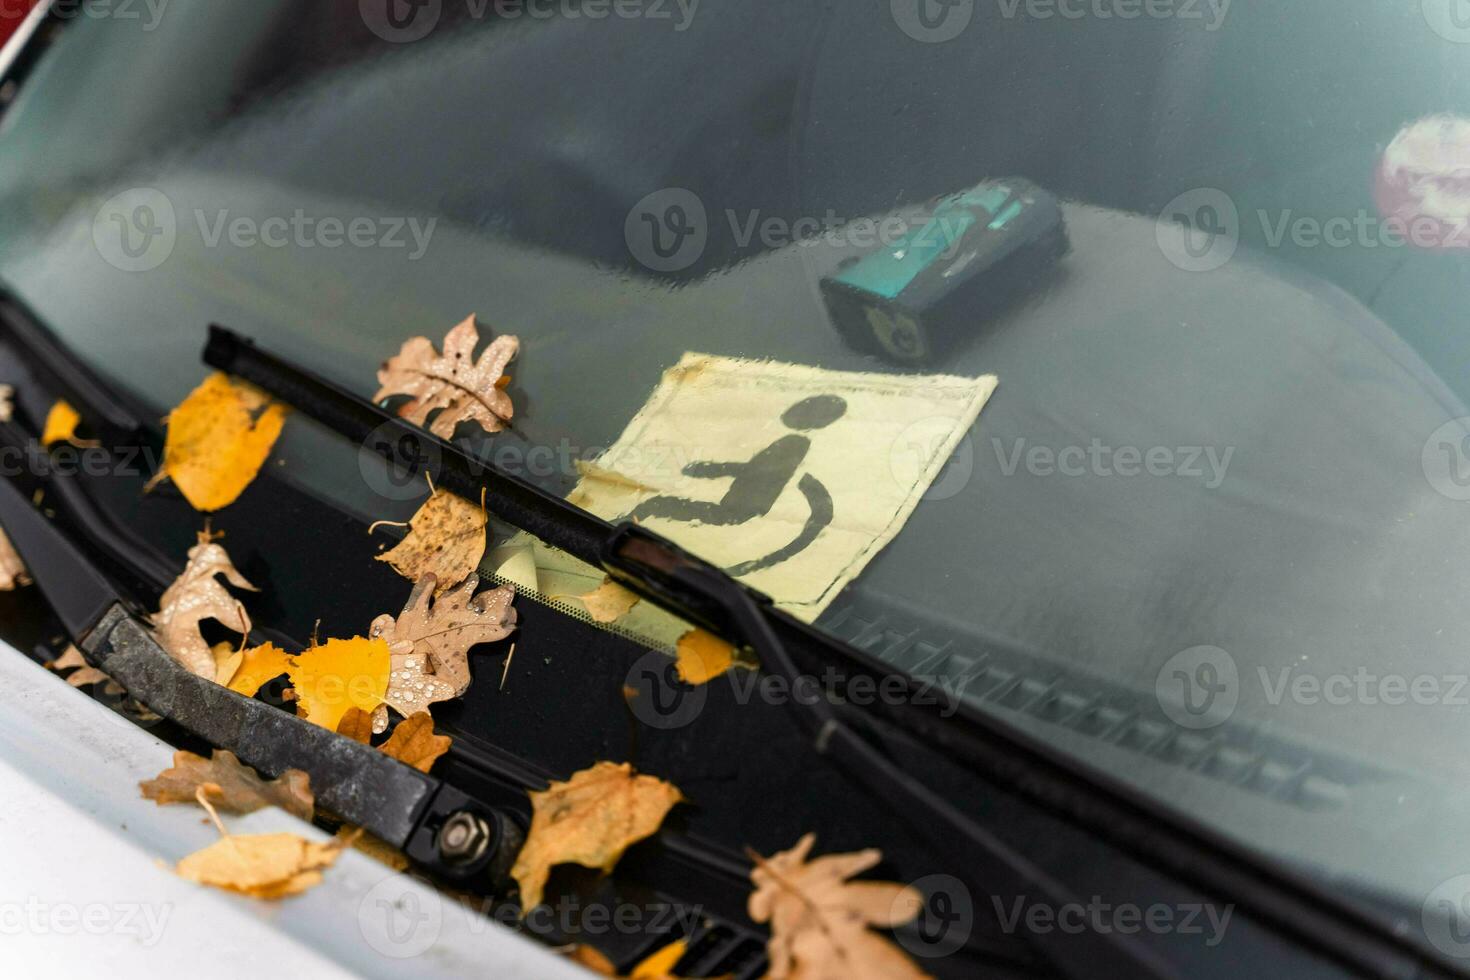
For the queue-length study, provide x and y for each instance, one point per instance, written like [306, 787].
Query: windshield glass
[1104, 362]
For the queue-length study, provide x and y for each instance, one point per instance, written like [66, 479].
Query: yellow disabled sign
[791, 478]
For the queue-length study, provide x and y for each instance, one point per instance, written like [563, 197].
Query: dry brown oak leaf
[230, 785]
[453, 384]
[196, 596]
[819, 919]
[431, 639]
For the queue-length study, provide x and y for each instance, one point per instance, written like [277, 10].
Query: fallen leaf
[819, 919]
[660, 965]
[12, 570]
[430, 642]
[230, 785]
[590, 819]
[82, 674]
[514, 563]
[414, 743]
[88, 676]
[357, 725]
[258, 666]
[588, 958]
[218, 438]
[7, 402]
[607, 603]
[703, 657]
[455, 385]
[374, 847]
[195, 596]
[70, 657]
[657, 966]
[227, 659]
[446, 539]
[266, 866]
[338, 675]
[61, 426]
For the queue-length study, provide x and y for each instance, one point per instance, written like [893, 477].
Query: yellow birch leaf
[61, 426]
[589, 958]
[227, 659]
[338, 675]
[660, 965]
[257, 666]
[590, 819]
[703, 657]
[414, 743]
[218, 438]
[446, 539]
[607, 603]
[267, 866]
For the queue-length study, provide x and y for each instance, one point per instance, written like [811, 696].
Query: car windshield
[1102, 362]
